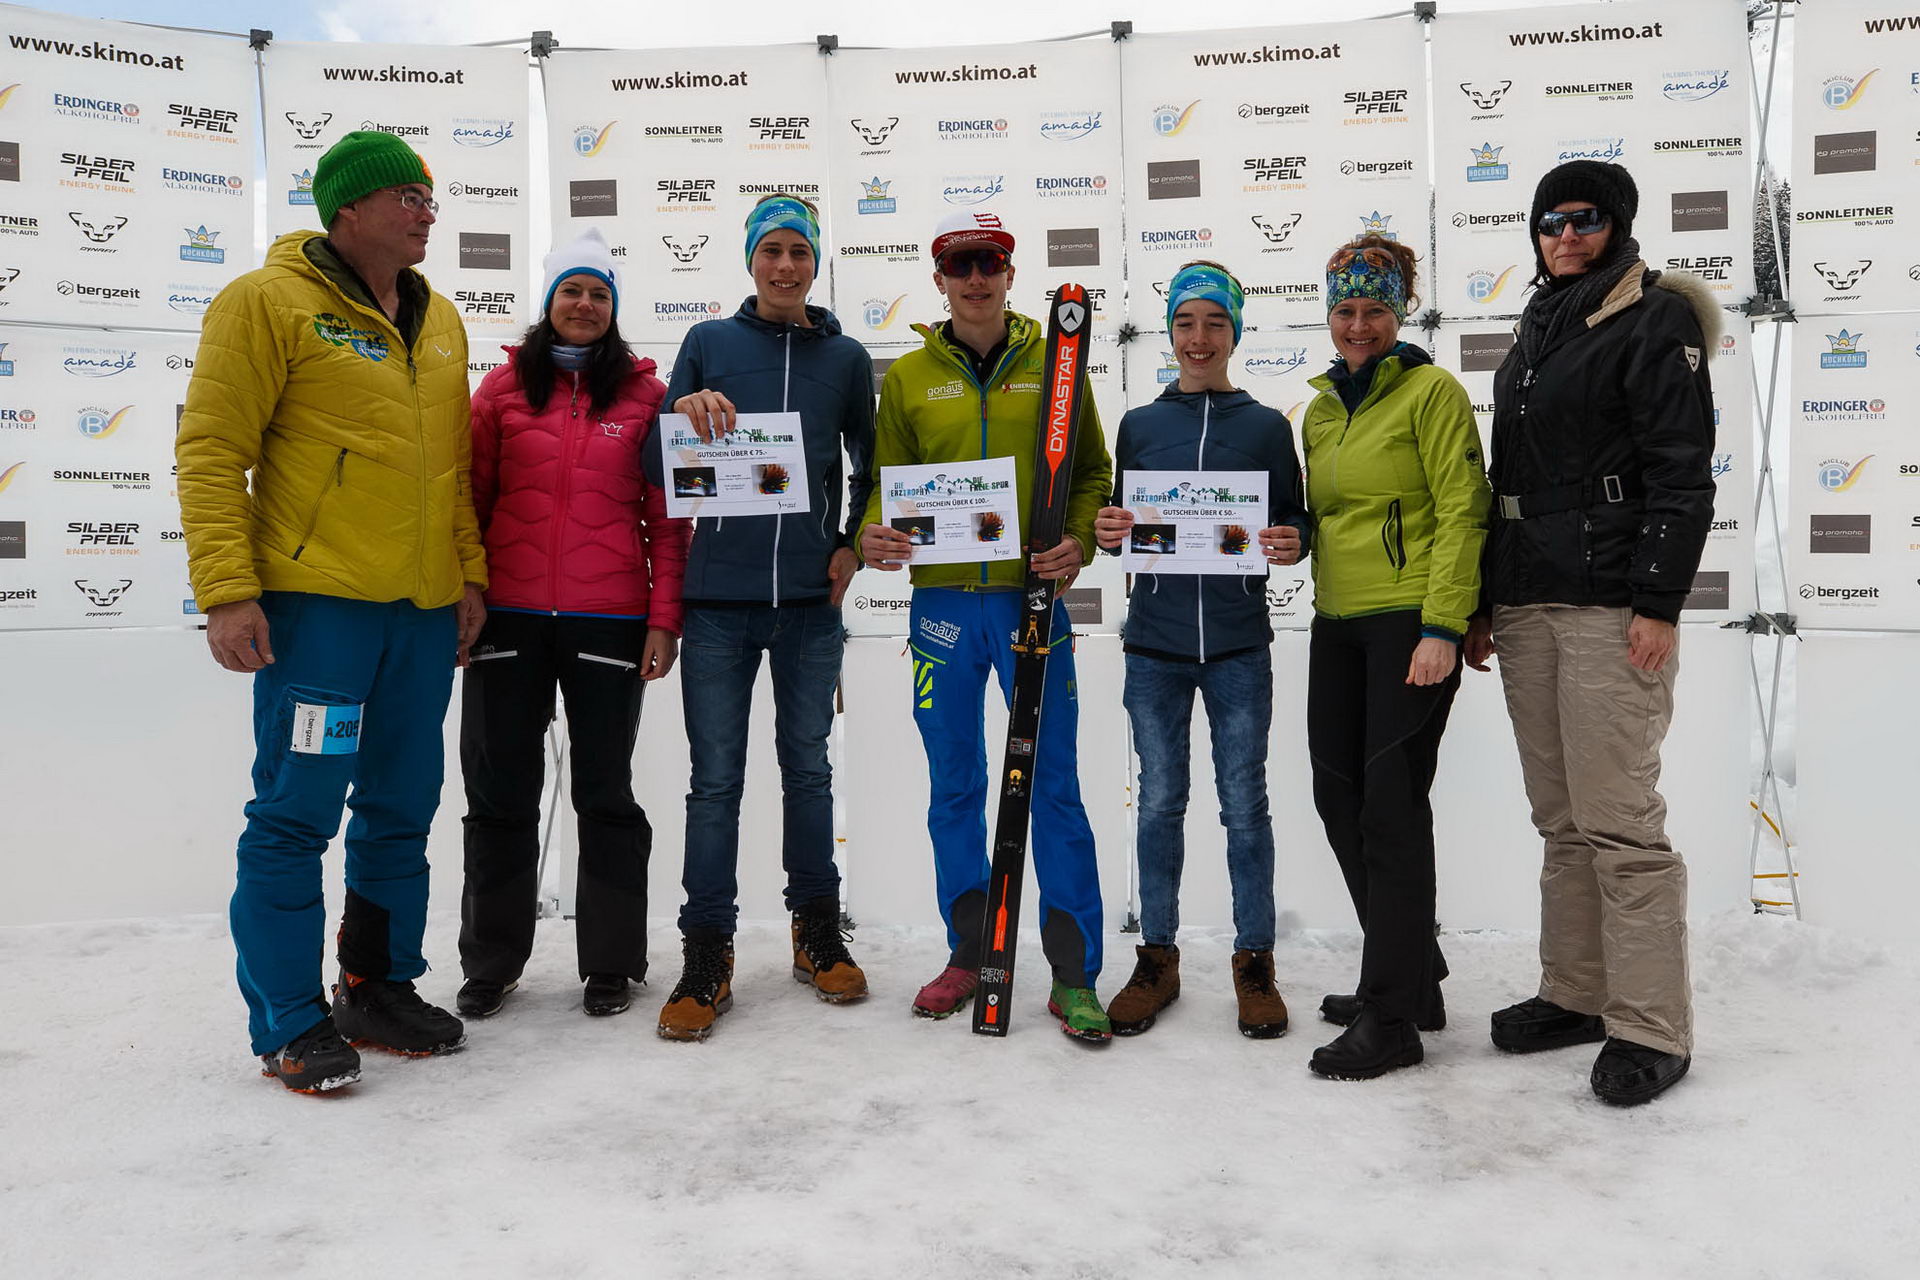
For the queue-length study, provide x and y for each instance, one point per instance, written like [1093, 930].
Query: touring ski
[1068, 321]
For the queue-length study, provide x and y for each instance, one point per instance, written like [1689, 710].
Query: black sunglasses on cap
[1583, 221]
[959, 264]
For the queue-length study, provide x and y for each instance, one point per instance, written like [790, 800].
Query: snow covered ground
[803, 1140]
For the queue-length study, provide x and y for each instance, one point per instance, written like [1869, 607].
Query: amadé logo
[1693, 86]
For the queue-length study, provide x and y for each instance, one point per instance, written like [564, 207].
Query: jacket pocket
[1393, 537]
[335, 480]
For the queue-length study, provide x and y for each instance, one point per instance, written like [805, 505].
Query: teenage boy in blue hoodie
[772, 585]
[1204, 632]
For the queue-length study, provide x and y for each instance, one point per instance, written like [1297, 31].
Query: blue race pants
[354, 699]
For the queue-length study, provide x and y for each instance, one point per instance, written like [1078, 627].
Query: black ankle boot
[1340, 1009]
[1371, 1047]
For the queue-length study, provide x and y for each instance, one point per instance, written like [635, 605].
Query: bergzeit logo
[1170, 120]
[1486, 166]
[1693, 86]
[397, 130]
[1260, 112]
[1489, 221]
[1843, 351]
[973, 188]
[1850, 597]
[473, 193]
[1068, 126]
[97, 294]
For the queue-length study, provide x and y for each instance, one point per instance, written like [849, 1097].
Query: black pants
[506, 705]
[1374, 739]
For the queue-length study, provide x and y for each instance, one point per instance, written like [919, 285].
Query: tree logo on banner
[1169, 120]
[1841, 93]
[587, 139]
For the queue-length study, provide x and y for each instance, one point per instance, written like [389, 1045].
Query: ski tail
[1069, 321]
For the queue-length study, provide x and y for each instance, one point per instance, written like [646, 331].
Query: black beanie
[1609, 186]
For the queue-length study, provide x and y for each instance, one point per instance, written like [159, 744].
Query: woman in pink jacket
[586, 571]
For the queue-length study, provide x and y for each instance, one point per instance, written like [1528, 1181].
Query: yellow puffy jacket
[358, 445]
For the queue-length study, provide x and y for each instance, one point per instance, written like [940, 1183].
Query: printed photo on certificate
[759, 468]
[1194, 521]
[954, 512]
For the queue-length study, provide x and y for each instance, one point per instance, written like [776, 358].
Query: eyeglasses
[961, 262]
[1583, 221]
[413, 201]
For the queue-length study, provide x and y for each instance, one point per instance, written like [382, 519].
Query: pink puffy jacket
[570, 523]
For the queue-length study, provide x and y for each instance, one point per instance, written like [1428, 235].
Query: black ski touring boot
[315, 1061]
[392, 1016]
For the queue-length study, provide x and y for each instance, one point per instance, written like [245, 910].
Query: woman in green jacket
[1399, 499]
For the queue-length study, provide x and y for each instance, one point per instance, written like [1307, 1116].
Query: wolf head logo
[309, 129]
[1485, 94]
[684, 248]
[98, 232]
[874, 132]
[103, 596]
[1842, 277]
[1276, 231]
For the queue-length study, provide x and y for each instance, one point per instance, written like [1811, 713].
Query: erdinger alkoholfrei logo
[302, 192]
[1170, 120]
[685, 248]
[983, 128]
[1843, 93]
[1843, 351]
[1375, 224]
[874, 197]
[200, 247]
[1484, 287]
[1274, 230]
[1486, 166]
[589, 139]
[1485, 95]
[1693, 86]
[307, 128]
[874, 131]
[1842, 277]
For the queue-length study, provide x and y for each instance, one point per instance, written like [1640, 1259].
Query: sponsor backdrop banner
[1027, 133]
[1662, 89]
[126, 171]
[1267, 149]
[665, 151]
[1854, 543]
[464, 110]
[1856, 159]
[1723, 588]
[89, 518]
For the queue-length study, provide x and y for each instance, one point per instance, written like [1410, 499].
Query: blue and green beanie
[778, 211]
[1209, 283]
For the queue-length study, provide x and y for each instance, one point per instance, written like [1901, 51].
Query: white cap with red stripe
[958, 230]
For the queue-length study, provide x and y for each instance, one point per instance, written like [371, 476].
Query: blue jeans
[719, 661]
[959, 639]
[1238, 693]
[354, 698]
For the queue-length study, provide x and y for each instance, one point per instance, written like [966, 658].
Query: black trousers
[507, 702]
[1374, 739]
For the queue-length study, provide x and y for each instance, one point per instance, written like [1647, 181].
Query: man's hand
[885, 548]
[471, 614]
[656, 659]
[237, 634]
[1478, 646]
[1651, 642]
[712, 413]
[1433, 660]
[1110, 525]
[1280, 544]
[1061, 563]
[841, 566]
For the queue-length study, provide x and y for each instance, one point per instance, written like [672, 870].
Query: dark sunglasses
[960, 263]
[1583, 221]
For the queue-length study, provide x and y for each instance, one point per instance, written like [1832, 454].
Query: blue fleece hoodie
[1197, 617]
[767, 367]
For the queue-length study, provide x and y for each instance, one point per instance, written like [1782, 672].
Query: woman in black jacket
[1603, 496]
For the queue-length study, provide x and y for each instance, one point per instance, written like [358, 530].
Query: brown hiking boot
[1155, 984]
[820, 953]
[705, 989]
[1263, 1014]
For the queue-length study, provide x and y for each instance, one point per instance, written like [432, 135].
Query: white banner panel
[1723, 587]
[1266, 149]
[126, 163]
[1663, 89]
[666, 152]
[1854, 545]
[464, 110]
[89, 517]
[1856, 158]
[1027, 132]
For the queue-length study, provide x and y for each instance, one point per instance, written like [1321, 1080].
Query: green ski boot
[1080, 1014]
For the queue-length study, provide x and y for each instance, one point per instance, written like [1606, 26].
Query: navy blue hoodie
[767, 367]
[1205, 617]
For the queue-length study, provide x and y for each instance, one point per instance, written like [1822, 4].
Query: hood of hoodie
[821, 323]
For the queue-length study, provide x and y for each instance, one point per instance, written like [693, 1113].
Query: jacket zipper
[786, 379]
[313, 517]
[562, 496]
[1393, 538]
[966, 369]
[1199, 593]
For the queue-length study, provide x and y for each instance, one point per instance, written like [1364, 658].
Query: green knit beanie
[361, 162]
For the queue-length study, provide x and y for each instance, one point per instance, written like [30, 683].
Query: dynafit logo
[308, 129]
[1170, 120]
[874, 132]
[878, 313]
[1484, 286]
[1837, 475]
[1485, 94]
[589, 139]
[98, 424]
[1842, 93]
[1276, 230]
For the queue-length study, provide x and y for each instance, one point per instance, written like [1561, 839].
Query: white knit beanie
[586, 252]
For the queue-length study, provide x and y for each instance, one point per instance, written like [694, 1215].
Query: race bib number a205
[321, 730]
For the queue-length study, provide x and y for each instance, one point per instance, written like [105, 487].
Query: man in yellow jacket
[323, 462]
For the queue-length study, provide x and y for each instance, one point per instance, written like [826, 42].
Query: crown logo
[875, 189]
[1375, 223]
[1486, 153]
[201, 238]
[303, 181]
[1843, 343]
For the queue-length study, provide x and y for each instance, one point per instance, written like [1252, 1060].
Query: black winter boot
[1627, 1074]
[315, 1061]
[480, 998]
[391, 1015]
[1371, 1047]
[1339, 1009]
[606, 995]
[705, 989]
[1536, 1024]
